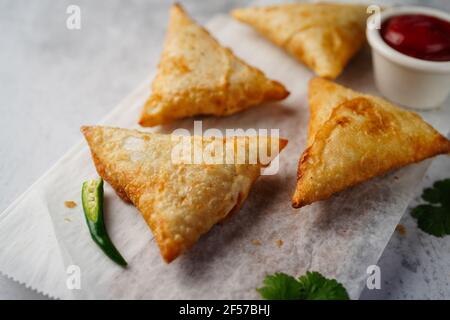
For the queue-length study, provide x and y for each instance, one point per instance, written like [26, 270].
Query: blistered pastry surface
[354, 137]
[180, 201]
[196, 75]
[323, 36]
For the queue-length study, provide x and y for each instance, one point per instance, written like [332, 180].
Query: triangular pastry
[354, 137]
[324, 36]
[180, 199]
[197, 76]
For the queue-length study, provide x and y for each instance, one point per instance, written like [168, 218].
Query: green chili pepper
[92, 198]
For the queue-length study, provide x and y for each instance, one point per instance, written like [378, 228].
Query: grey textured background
[53, 80]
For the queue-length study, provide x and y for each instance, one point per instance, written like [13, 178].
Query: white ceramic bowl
[411, 82]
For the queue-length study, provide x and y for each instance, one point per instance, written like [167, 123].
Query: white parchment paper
[40, 238]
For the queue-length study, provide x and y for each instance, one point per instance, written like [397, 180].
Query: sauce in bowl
[419, 36]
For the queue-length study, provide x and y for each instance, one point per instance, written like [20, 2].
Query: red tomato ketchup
[419, 36]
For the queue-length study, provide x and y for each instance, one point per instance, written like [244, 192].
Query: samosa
[197, 76]
[324, 36]
[180, 197]
[354, 137]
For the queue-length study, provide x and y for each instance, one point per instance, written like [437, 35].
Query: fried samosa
[179, 197]
[354, 137]
[197, 76]
[324, 36]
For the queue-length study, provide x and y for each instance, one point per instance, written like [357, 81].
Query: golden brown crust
[196, 75]
[324, 36]
[362, 137]
[180, 201]
[323, 97]
[89, 134]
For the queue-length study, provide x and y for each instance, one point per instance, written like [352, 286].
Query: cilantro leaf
[316, 287]
[434, 217]
[434, 220]
[439, 193]
[311, 286]
[280, 286]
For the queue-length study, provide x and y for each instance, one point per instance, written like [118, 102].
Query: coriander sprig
[311, 286]
[434, 217]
